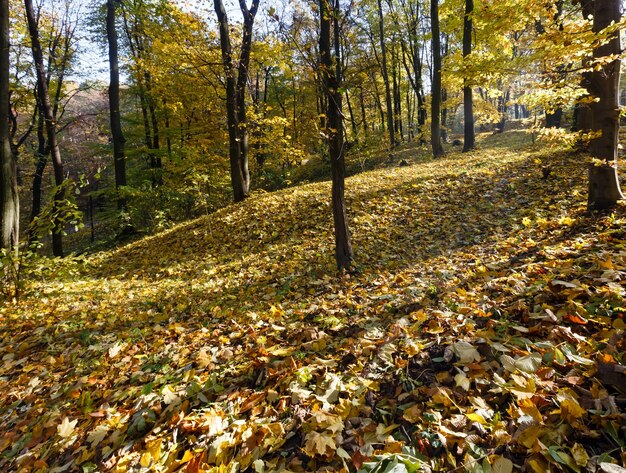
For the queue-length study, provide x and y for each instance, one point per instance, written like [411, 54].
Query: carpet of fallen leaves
[482, 331]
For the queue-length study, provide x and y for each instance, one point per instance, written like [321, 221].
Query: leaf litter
[482, 331]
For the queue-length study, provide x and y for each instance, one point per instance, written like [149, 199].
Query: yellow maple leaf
[66, 428]
[580, 455]
[571, 409]
[319, 444]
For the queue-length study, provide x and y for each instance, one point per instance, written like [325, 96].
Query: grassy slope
[482, 323]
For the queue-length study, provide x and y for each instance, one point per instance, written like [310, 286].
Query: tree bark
[143, 78]
[42, 161]
[9, 197]
[413, 52]
[604, 188]
[236, 173]
[469, 134]
[397, 98]
[119, 158]
[582, 111]
[355, 128]
[236, 80]
[59, 51]
[334, 131]
[242, 80]
[44, 103]
[388, 99]
[435, 124]
[363, 114]
[554, 117]
[156, 162]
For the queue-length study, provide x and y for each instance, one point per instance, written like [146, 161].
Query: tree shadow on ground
[264, 269]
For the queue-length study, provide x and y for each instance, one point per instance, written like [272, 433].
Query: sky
[93, 60]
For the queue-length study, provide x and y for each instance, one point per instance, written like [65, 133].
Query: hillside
[482, 331]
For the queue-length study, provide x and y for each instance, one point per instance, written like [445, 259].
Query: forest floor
[482, 330]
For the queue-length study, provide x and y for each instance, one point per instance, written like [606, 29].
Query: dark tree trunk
[388, 99]
[363, 114]
[119, 159]
[435, 124]
[604, 188]
[294, 112]
[58, 48]
[501, 102]
[9, 197]
[44, 103]
[554, 116]
[397, 98]
[42, 161]
[417, 64]
[236, 173]
[143, 78]
[444, 95]
[156, 163]
[379, 103]
[582, 112]
[409, 112]
[147, 132]
[553, 119]
[469, 140]
[236, 80]
[332, 81]
[168, 131]
[355, 128]
[242, 80]
[444, 115]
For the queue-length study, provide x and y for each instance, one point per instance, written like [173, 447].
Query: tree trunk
[363, 114]
[242, 80]
[332, 81]
[168, 131]
[147, 131]
[42, 161]
[44, 103]
[604, 188]
[582, 111]
[119, 159]
[379, 103]
[435, 124]
[469, 134]
[397, 98]
[414, 73]
[143, 78]
[9, 197]
[355, 128]
[236, 173]
[554, 114]
[157, 165]
[236, 80]
[409, 112]
[388, 99]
